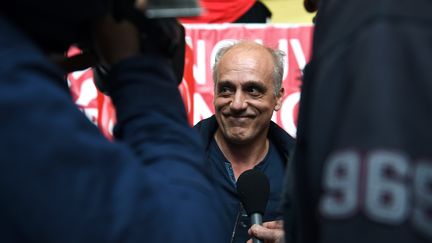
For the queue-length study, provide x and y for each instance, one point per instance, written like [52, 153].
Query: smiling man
[241, 136]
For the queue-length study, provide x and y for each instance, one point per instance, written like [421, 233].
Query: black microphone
[253, 188]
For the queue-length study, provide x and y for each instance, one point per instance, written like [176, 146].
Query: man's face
[244, 94]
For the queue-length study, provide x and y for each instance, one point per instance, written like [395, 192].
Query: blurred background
[288, 11]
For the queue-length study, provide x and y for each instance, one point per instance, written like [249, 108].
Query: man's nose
[238, 102]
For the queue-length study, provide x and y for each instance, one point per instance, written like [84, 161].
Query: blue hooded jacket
[62, 181]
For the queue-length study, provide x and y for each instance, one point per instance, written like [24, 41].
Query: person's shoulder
[280, 136]
[205, 124]
[206, 128]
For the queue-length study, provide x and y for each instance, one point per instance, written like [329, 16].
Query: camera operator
[61, 180]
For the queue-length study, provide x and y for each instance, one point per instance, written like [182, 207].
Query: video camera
[157, 18]
[159, 29]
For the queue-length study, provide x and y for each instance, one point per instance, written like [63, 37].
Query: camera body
[160, 32]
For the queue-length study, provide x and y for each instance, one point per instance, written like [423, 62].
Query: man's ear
[279, 99]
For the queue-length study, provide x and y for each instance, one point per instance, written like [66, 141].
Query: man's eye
[225, 90]
[254, 91]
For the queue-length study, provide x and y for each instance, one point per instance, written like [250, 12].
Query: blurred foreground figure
[363, 162]
[61, 180]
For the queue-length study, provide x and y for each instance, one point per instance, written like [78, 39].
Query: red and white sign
[203, 42]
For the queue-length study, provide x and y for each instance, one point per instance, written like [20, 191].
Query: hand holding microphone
[270, 232]
[253, 188]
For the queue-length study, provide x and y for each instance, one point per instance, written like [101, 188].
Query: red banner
[203, 42]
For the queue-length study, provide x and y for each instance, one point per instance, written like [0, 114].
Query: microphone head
[253, 188]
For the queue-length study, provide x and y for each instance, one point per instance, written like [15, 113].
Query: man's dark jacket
[228, 194]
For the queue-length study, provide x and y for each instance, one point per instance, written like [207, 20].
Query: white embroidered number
[386, 186]
[340, 184]
[422, 215]
[386, 192]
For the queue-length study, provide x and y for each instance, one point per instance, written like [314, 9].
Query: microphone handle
[256, 218]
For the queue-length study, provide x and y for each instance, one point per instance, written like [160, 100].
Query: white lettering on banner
[298, 53]
[201, 110]
[386, 185]
[287, 113]
[88, 93]
[199, 68]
